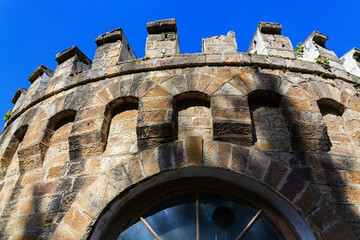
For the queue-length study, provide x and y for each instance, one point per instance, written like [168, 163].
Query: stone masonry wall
[87, 133]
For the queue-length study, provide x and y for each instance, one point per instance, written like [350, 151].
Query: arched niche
[55, 144]
[192, 115]
[11, 149]
[269, 126]
[121, 115]
[332, 112]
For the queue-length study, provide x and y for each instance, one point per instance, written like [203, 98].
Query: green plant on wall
[323, 61]
[8, 115]
[357, 88]
[299, 50]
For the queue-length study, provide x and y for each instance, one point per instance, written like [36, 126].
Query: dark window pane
[262, 229]
[231, 225]
[176, 220]
[136, 232]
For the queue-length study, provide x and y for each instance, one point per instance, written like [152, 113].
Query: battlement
[279, 123]
[114, 53]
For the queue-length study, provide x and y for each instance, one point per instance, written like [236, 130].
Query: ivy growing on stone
[8, 115]
[323, 61]
[299, 50]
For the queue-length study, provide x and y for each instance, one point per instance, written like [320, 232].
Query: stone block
[224, 154]
[149, 162]
[338, 231]
[240, 159]
[293, 186]
[194, 150]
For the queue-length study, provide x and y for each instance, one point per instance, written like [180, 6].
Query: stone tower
[95, 149]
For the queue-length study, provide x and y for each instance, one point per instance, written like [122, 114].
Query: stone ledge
[69, 53]
[160, 26]
[270, 28]
[318, 38]
[109, 37]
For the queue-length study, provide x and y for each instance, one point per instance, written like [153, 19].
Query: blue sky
[33, 32]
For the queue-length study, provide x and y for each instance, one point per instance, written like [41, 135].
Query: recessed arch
[259, 98]
[55, 122]
[13, 145]
[330, 106]
[192, 115]
[120, 125]
[269, 126]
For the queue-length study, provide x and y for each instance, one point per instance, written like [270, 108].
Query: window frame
[132, 210]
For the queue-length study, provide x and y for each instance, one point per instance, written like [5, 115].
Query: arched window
[202, 215]
[197, 208]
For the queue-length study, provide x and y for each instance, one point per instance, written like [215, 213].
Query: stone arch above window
[121, 115]
[191, 205]
[192, 115]
[270, 132]
[11, 149]
[55, 144]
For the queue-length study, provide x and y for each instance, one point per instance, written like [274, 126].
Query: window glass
[220, 217]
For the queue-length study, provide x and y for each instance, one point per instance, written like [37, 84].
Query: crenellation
[315, 50]
[269, 41]
[220, 45]
[71, 61]
[39, 73]
[113, 47]
[163, 39]
[351, 61]
[39, 79]
[18, 98]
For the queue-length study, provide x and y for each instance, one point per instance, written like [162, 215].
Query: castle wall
[97, 130]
